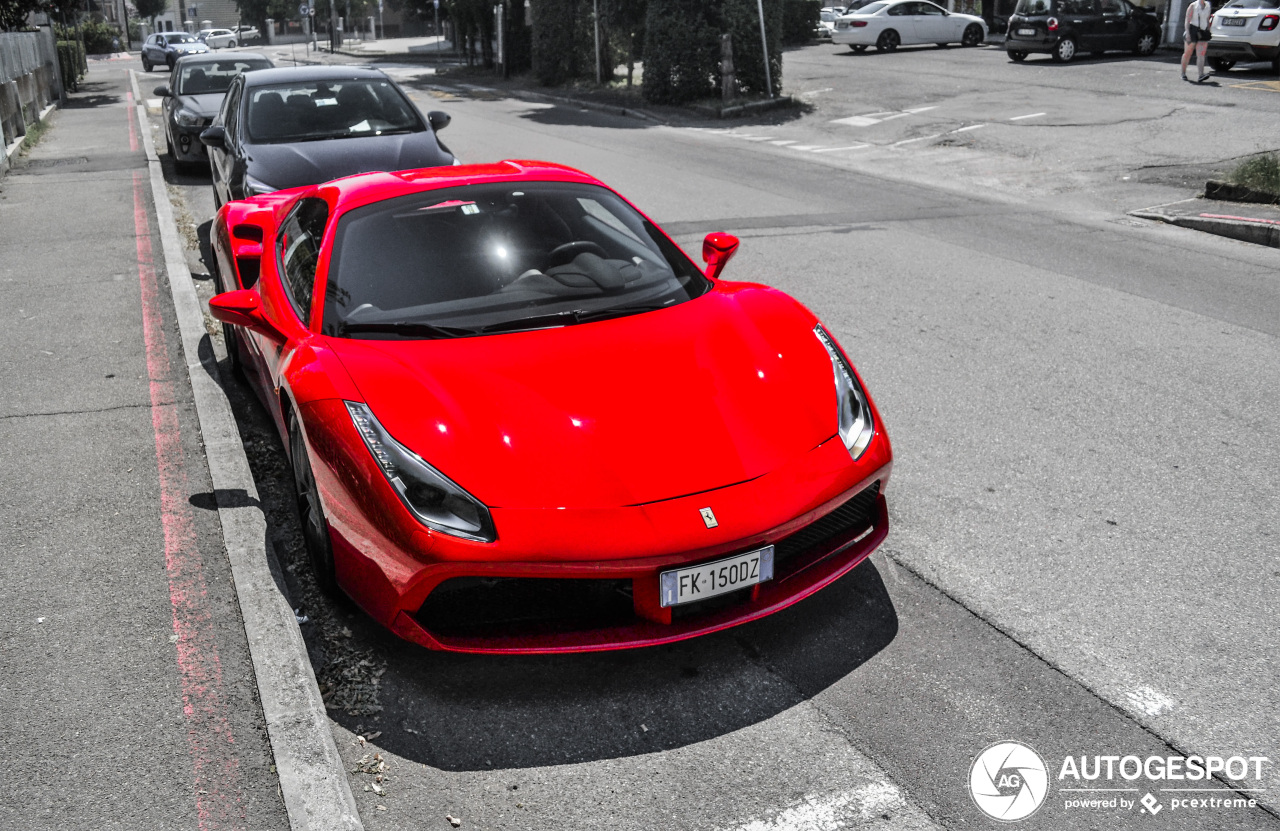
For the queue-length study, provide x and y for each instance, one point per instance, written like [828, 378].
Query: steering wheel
[562, 254]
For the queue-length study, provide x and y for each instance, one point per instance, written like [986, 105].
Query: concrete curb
[313, 780]
[1258, 232]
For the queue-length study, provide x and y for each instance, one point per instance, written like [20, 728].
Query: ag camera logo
[1008, 781]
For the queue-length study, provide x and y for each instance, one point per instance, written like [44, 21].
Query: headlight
[436, 501]
[856, 424]
[255, 187]
[186, 118]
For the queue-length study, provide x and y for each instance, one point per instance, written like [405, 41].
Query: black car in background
[193, 96]
[283, 128]
[1065, 28]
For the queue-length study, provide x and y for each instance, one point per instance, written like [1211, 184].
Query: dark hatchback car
[193, 96]
[288, 127]
[1065, 28]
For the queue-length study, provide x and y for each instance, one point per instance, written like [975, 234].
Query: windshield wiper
[404, 327]
[570, 317]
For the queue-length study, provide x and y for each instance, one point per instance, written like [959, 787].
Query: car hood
[312, 162]
[716, 391]
[205, 105]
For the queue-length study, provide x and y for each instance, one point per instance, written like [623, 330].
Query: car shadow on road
[477, 712]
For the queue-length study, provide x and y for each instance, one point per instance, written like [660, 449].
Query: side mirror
[438, 120]
[717, 249]
[241, 308]
[162, 91]
[214, 137]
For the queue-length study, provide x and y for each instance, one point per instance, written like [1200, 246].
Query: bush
[559, 40]
[71, 62]
[101, 38]
[742, 20]
[799, 20]
[681, 52]
[1259, 173]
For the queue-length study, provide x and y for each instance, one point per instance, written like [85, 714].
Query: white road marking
[909, 141]
[804, 146]
[834, 810]
[1149, 701]
[818, 91]
[970, 127]
[783, 142]
[857, 121]
[756, 138]
[920, 109]
[153, 103]
[1020, 117]
[836, 149]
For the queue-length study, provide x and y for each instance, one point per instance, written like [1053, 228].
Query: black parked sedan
[282, 128]
[194, 94]
[1065, 28]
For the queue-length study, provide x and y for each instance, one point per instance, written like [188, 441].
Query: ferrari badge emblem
[709, 518]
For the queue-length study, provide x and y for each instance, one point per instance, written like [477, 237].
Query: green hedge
[72, 63]
[682, 48]
[560, 38]
[799, 20]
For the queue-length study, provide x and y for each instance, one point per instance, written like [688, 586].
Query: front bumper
[823, 513]
[185, 144]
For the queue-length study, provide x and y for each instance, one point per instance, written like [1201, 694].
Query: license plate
[1027, 32]
[1233, 21]
[685, 585]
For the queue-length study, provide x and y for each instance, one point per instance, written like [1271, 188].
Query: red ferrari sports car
[522, 420]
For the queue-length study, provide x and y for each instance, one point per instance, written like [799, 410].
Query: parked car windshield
[1033, 7]
[207, 77]
[313, 110]
[180, 37]
[499, 258]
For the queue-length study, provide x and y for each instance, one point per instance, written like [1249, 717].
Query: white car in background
[888, 24]
[217, 38]
[1244, 31]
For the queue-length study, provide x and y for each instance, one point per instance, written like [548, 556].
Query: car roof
[286, 74]
[219, 57]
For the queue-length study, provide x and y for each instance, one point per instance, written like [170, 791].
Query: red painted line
[216, 768]
[1241, 218]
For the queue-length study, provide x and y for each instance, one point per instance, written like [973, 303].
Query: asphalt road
[1083, 408]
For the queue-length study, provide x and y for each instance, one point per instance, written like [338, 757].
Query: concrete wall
[29, 82]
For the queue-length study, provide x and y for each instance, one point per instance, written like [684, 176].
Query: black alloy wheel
[315, 528]
[972, 35]
[889, 41]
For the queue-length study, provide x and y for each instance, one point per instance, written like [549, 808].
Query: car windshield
[313, 110]
[1032, 7]
[181, 38]
[499, 258]
[207, 77]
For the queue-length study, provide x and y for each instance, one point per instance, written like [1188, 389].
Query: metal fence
[29, 82]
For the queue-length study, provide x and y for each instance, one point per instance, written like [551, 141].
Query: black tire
[230, 337]
[231, 44]
[972, 35]
[1065, 50]
[858, 47]
[1018, 57]
[1221, 64]
[171, 60]
[315, 528]
[1147, 43]
[889, 41]
[1275, 65]
[146, 64]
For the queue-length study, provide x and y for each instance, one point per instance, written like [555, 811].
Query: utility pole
[595, 5]
[764, 43]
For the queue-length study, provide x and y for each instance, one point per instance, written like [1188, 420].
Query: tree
[150, 8]
[13, 13]
[257, 11]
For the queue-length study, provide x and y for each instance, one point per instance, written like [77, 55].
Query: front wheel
[171, 60]
[231, 44]
[972, 35]
[1221, 64]
[1065, 50]
[1018, 57]
[146, 64]
[1146, 44]
[315, 528]
[889, 41]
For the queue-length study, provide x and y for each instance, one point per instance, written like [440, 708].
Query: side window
[902, 9]
[231, 113]
[1113, 7]
[299, 248]
[928, 8]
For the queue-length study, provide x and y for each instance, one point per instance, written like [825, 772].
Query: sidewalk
[129, 693]
[1245, 221]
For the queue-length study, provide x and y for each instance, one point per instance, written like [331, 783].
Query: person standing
[1196, 36]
